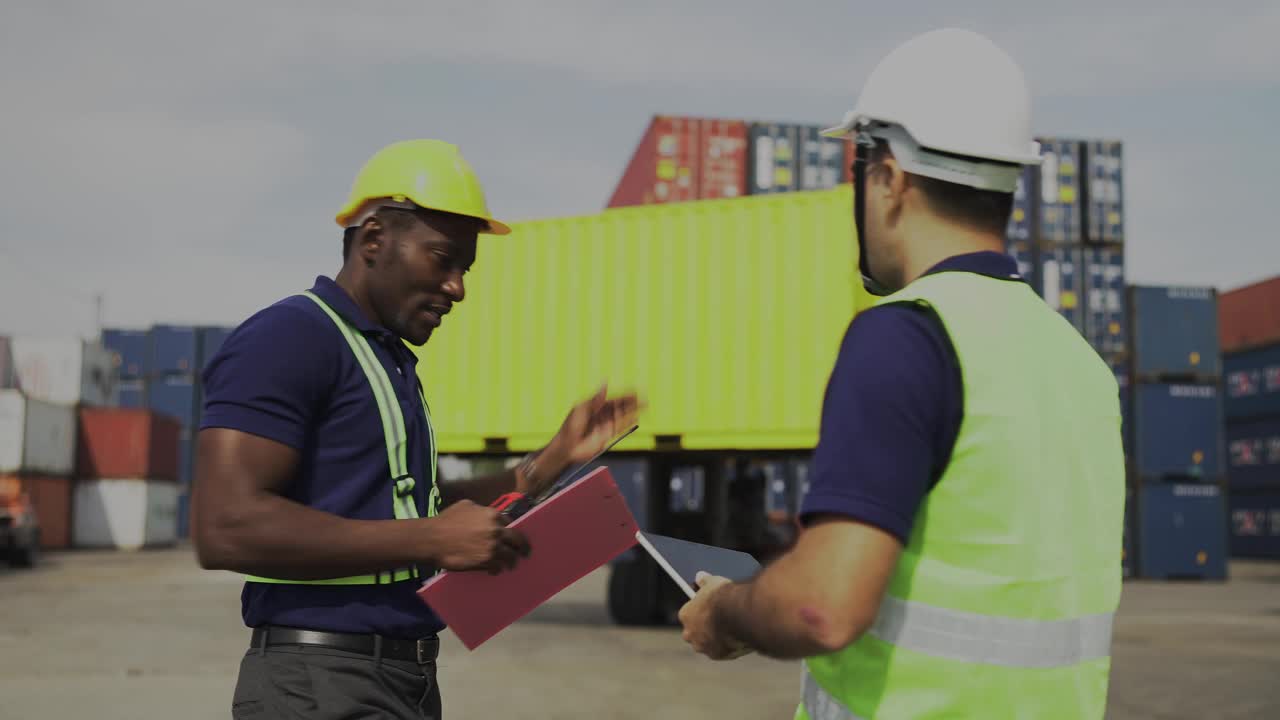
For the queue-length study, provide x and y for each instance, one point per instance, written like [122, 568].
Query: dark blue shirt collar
[986, 262]
[338, 299]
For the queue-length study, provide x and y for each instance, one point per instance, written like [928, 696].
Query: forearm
[766, 622]
[274, 537]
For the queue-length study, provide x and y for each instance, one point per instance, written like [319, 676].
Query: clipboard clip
[514, 504]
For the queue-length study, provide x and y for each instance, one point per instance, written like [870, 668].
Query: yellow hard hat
[431, 174]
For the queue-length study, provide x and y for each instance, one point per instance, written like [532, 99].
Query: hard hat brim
[348, 217]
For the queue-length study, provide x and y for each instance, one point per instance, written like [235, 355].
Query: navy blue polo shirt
[288, 375]
[892, 410]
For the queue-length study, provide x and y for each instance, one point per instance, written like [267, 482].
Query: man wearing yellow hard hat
[316, 460]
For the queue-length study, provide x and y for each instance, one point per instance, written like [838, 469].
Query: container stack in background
[46, 382]
[161, 368]
[1177, 464]
[1249, 329]
[680, 159]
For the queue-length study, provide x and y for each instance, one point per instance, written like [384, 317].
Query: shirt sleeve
[889, 420]
[271, 376]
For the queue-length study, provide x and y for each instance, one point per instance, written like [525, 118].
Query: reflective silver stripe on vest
[820, 705]
[974, 638]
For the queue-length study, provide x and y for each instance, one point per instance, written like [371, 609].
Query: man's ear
[369, 240]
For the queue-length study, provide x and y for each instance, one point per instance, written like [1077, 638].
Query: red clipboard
[572, 533]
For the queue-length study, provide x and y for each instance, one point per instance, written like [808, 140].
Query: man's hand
[698, 618]
[467, 536]
[589, 428]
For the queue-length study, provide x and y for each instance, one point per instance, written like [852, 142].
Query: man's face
[418, 272]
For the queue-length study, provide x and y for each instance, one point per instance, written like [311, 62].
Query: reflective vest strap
[821, 705]
[992, 640]
[433, 498]
[403, 506]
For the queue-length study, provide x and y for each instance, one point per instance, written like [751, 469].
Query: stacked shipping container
[1249, 324]
[1177, 464]
[162, 369]
[681, 159]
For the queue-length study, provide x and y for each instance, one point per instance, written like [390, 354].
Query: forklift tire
[633, 592]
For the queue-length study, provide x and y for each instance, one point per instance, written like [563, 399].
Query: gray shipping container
[1019, 228]
[1105, 299]
[772, 158]
[1059, 192]
[822, 159]
[1104, 192]
[1060, 276]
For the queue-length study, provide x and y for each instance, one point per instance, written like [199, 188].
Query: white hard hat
[952, 106]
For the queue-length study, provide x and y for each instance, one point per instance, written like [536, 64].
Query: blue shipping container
[1128, 554]
[133, 394]
[772, 153]
[1104, 192]
[1061, 282]
[1255, 525]
[211, 338]
[1120, 367]
[174, 395]
[688, 488]
[1253, 383]
[1177, 431]
[1253, 454]
[1019, 227]
[1182, 532]
[1105, 299]
[821, 159]
[174, 349]
[132, 349]
[1060, 192]
[1174, 331]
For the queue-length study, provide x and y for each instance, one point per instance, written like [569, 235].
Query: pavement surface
[134, 636]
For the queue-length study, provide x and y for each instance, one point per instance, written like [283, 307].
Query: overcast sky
[159, 151]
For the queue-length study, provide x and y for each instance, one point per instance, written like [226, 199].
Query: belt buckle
[424, 644]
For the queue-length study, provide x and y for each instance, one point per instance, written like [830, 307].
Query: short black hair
[394, 219]
[985, 210]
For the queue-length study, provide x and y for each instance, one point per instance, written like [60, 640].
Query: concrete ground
[120, 636]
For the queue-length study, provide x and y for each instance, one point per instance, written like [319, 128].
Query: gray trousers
[318, 683]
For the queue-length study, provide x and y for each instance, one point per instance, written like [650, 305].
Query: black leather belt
[422, 651]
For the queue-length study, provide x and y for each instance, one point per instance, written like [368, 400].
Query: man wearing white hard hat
[961, 550]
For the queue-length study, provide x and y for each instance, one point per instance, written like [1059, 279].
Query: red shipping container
[50, 499]
[681, 159]
[127, 443]
[1249, 317]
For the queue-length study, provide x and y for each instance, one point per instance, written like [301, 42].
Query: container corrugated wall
[1255, 525]
[773, 152]
[1105, 321]
[174, 349]
[824, 162]
[66, 371]
[1060, 192]
[1253, 383]
[1182, 532]
[1178, 432]
[727, 315]
[1249, 317]
[125, 514]
[127, 443]
[36, 436]
[1104, 192]
[1253, 454]
[1060, 278]
[1174, 331]
[683, 158]
[132, 350]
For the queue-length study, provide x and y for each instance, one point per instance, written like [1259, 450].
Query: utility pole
[97, 313]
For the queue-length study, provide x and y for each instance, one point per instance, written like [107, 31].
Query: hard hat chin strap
[863, 144]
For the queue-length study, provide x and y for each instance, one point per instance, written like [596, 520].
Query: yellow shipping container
[726, 315]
